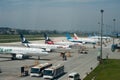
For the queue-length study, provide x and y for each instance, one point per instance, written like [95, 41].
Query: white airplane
[46, 47]
[22, 52]
[99, 37]
[49, 41]
[81, 40]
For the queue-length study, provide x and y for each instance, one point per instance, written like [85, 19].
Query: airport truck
[53, 72]
[83, 50]
[38, 69]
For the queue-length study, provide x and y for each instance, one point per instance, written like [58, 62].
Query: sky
[61, 15]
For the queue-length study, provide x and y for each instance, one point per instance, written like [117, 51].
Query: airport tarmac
[81, 63]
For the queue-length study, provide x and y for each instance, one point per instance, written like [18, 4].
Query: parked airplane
[117, 35]
[80, 40]
[49, 41]
[46, 47]
[87, 40]
[21, 52]
[99, 37]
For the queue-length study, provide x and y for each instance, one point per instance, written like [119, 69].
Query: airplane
[46, 47]
[80, 40]
[22, 52]
[49, 41]
[99, 37]
[117, 35]
[87, 40]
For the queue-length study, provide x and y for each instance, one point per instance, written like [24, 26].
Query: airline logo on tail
[47, 39]
[69, 37]
[75, 36]
[24, 40]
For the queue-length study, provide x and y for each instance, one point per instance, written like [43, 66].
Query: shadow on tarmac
[57, 78]
[9, 59]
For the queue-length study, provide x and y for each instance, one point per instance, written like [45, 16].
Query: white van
[74, 76]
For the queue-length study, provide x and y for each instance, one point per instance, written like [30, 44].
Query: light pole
[101, 34]
[98, 28]
[114, 31]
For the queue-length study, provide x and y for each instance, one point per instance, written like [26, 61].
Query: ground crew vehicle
[74, 76]
[83, 50]
[53, 72]
[38, 69]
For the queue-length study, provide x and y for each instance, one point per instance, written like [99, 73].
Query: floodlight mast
[101, 34]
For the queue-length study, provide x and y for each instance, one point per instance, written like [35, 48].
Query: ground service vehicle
[53, 72]
[38, 69]
[74, 76]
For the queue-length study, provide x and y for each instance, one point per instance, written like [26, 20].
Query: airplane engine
[84, 42]
[47, 49]
[19, 56]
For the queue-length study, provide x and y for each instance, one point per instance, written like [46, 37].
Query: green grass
[16, 38]
[108, 70]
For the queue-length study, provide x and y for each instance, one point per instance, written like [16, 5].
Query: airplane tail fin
[75, 36]
[95, 34]
[23, 39]
[47, 39]
[89, 35]
[68, 36]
